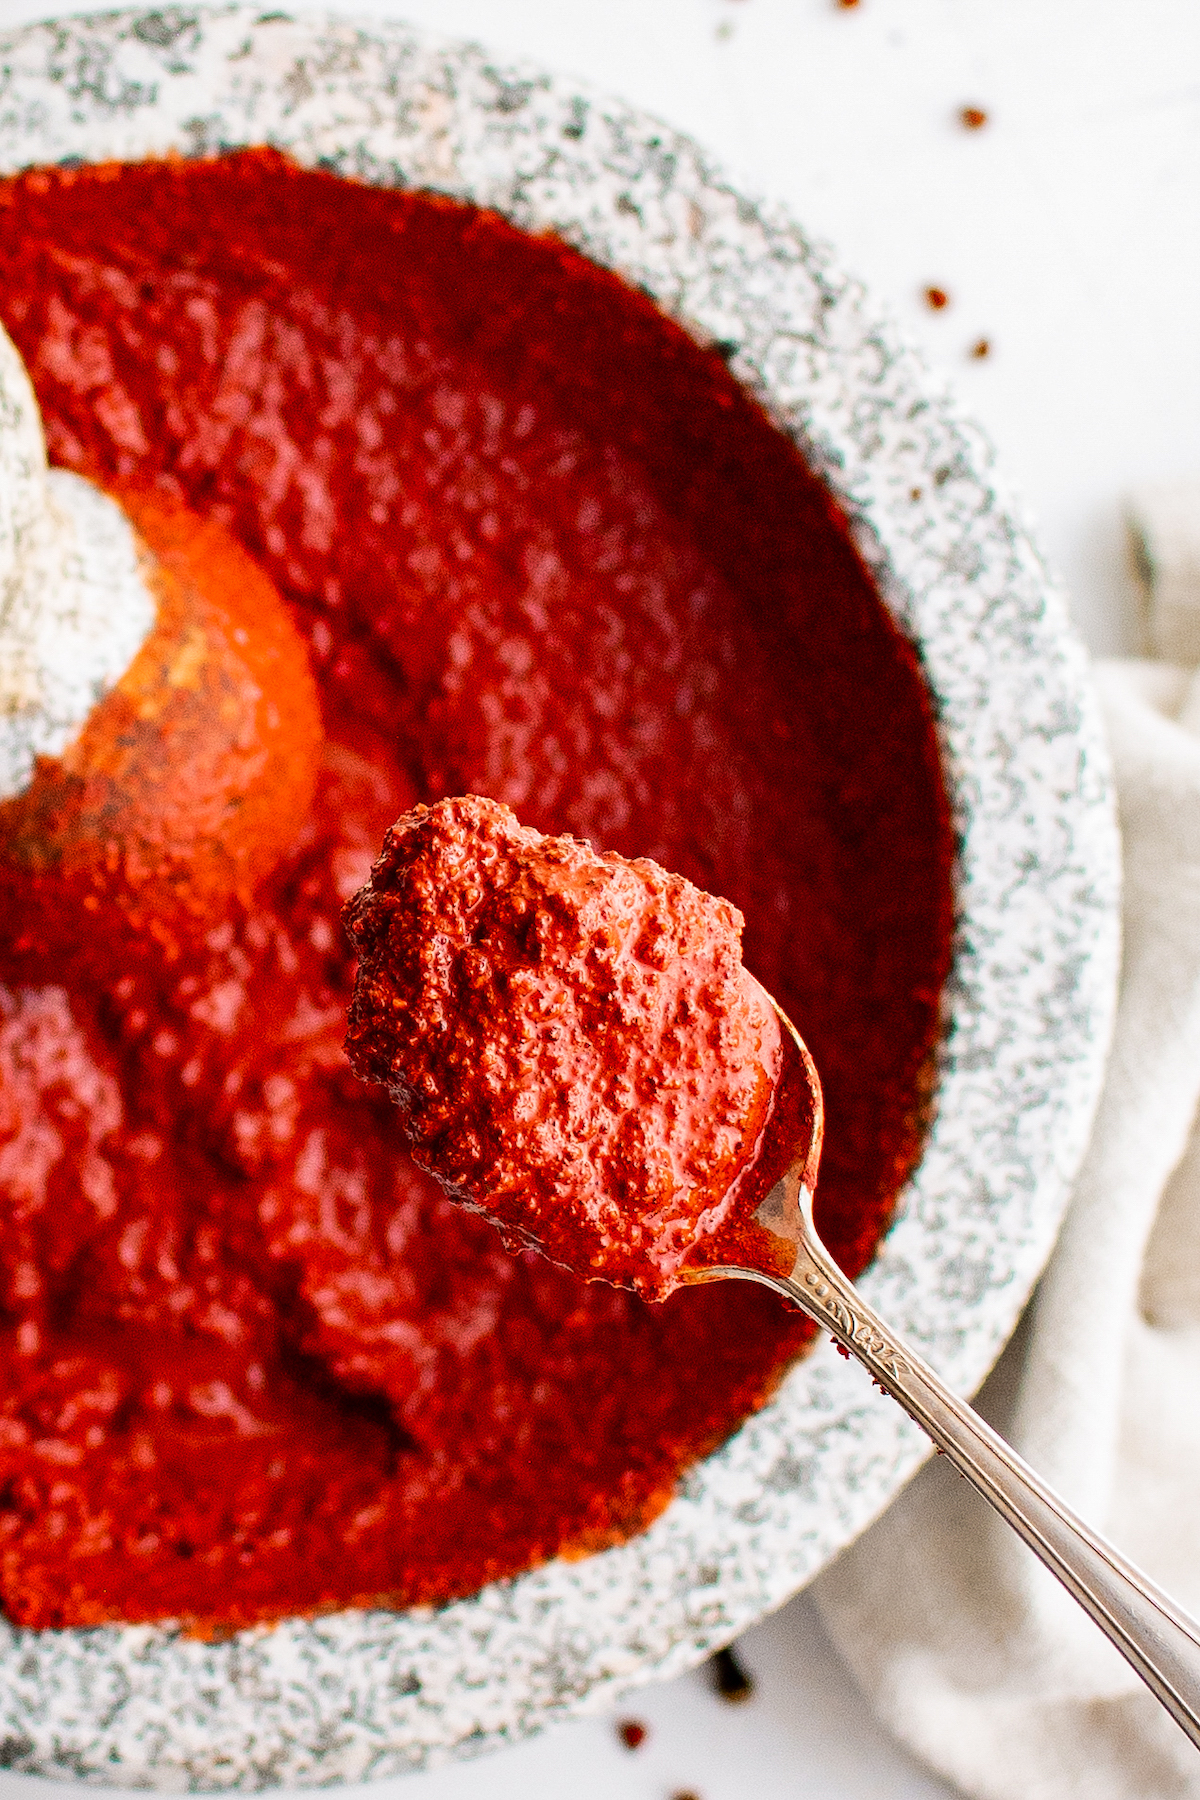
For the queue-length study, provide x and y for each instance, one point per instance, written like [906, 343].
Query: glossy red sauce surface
[543, 549]
[571, 1036]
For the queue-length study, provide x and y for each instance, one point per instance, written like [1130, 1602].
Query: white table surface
[1067, 233]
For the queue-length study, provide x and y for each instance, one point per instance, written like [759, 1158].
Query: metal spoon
[764, 1231]
[775, 1242]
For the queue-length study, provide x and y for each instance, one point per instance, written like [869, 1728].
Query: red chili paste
[577, 1048]
[544, 549]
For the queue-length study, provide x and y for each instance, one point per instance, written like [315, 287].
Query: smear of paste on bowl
[542, 548]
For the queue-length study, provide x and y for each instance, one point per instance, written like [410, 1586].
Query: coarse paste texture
[365, 1693]
[578, 1049]
[540, 545]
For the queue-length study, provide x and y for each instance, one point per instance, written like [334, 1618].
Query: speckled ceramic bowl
[358, 1694]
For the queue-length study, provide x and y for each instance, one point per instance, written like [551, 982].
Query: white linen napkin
[969, 1650]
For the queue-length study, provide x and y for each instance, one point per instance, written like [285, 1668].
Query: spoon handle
[1152, 1633]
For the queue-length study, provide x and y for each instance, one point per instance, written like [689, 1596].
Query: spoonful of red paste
[578, 1048]
[582, 1056]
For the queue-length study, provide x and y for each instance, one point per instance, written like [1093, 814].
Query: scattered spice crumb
[632, 1733]
[729, 1678]
[915, 493]
[724, 31]
[845, 5]
[685, 1794]
[937, 298]
[973, 118]
[980, 348]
